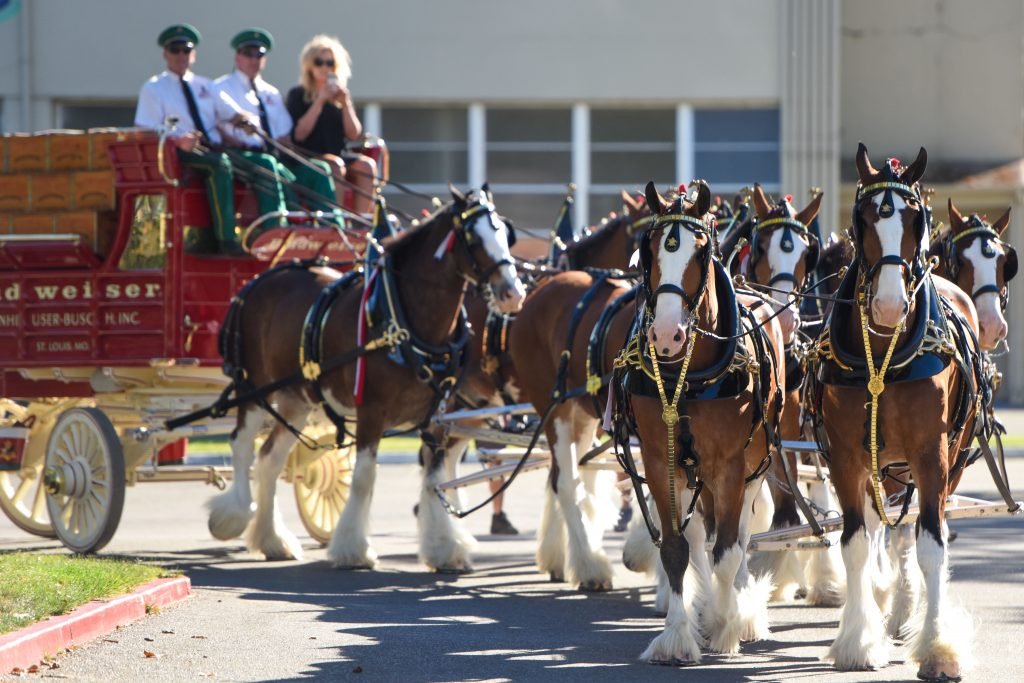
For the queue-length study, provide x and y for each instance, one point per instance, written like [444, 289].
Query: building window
[629, 147]
[81, 116]
[429, 149]
[736, 147]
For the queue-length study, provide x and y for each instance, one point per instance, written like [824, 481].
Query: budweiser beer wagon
[112, 294]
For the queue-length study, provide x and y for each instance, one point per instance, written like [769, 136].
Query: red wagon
[111, 298]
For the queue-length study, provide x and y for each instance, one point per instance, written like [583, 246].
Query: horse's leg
[587, 565]
[944, 642]
[726, 623]
[600, 505]
[639, 554]
[783, 567]
[908, 581]
[753, 594]
[551, 532]
[678, 642]
[350, 543]
[267, 533]
[231, 511]
[700, 570]
[861, 642]
[825, 587]
[445, 545]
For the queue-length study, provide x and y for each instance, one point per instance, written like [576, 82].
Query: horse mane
[398, 242]
[836, 255]
[601, 233]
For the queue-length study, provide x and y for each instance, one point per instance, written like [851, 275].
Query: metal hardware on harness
[670, 416]
[876, 385]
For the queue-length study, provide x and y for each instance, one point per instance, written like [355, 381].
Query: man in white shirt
[192, 105]
[265, 111]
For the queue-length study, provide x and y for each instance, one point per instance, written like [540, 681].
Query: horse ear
[864, 168]
[486, 190]
[456, 195]
[811, 210]
[956, 219]
[704, 198]
[761, 204]
[1002, 224]
[916, 169]
[654, 199]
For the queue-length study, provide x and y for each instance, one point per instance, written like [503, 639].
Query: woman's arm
[350, 122]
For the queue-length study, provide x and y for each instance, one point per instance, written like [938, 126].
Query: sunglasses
[323, 62]
[252, 52]
[179, 49]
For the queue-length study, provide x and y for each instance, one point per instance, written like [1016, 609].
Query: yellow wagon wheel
[22, 493]
[322, 479]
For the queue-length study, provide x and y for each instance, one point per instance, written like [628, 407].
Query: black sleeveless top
[328, 134]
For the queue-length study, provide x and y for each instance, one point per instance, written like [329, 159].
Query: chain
[876, 385]
[670, 416]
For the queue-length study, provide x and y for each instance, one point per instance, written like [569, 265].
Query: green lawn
[33, 587]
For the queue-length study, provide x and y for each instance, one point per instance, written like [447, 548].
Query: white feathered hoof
[351, 553]
[826, 595]
[673, 647]
[940, 669]
[274, 546]
[595, 585]
[854, 651]
[228, 519]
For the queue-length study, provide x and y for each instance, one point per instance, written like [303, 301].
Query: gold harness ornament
[670, 416]
[876, 385]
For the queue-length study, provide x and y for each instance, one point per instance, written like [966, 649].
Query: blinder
[674, 222]
[887, 209]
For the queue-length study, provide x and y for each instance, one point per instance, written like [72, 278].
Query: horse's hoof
[595, 586]
[556, 577]
[353, 567]
[800, 593]
[455, 569]
[939, 671]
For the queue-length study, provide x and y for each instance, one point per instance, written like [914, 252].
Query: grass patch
[38, 586]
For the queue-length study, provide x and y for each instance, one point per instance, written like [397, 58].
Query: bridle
[990, 239]
[463, 222]
[674, 222]
[912, 272]
[787, 244]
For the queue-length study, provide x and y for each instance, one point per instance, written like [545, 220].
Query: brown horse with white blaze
[710, 444]
[896, 382]
[411, 353]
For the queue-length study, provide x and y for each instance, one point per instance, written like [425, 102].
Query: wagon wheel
[22, 493]
[84, 479]
[322, 480]
[23, 498]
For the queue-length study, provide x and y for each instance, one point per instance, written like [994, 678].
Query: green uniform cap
[253, 37]
[179, 33]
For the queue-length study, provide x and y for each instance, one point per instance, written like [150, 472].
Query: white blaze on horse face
[671, 325]
[890, 302]
[780, 261]
[493, 233]
[990, 312]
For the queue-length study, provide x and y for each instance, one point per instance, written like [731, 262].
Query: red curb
[30, 645]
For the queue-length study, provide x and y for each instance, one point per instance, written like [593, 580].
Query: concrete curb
[30, 645]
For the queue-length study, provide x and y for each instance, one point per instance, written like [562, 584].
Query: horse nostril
[664, 351]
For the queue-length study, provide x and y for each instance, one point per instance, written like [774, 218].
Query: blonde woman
[325, 119]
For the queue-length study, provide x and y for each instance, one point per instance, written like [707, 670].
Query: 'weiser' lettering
[74, 292]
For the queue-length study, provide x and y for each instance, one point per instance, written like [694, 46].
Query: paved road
[254, 620]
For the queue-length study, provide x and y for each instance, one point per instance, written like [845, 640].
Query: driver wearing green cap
[191, 106]
[264, 121]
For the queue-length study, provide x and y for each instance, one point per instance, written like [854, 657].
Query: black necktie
[264, 119]
[193, 110]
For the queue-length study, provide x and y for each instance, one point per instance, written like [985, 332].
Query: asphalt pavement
[255, 620]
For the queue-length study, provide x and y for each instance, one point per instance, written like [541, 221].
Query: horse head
[783, 252]
[675, 257]
[981, 263]
[890, 231]
[484, 257]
